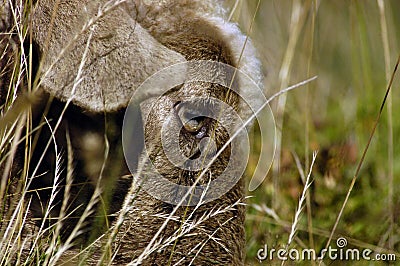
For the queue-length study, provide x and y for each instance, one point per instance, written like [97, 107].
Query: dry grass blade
[353, 181]
[3, 181]
[297, 20]
[300, 207]
[51, 250]
[301, 204]
[386, 49]
[308, 119]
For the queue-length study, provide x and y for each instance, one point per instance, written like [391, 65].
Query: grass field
[352, 47]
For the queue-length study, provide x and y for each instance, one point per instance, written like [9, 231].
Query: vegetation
[352, 46]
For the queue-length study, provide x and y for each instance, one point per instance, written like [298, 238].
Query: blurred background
[352, 46]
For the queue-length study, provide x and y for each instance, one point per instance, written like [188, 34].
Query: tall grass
[351, 46]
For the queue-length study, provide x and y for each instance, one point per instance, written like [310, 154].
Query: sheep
[94, 55]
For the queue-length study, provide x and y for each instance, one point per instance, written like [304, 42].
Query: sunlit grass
[351, 46]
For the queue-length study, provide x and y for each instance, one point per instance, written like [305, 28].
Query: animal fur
[128, 43]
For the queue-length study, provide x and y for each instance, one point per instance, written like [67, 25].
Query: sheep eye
[194, 125]
[191, 122]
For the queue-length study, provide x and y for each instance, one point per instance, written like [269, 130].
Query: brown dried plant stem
[297, 21]
[313, 13]
[386, 52]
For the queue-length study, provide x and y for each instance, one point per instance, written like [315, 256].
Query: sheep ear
[116, 53]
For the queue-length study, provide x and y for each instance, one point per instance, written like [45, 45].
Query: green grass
[352, 48]
[341, 42]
